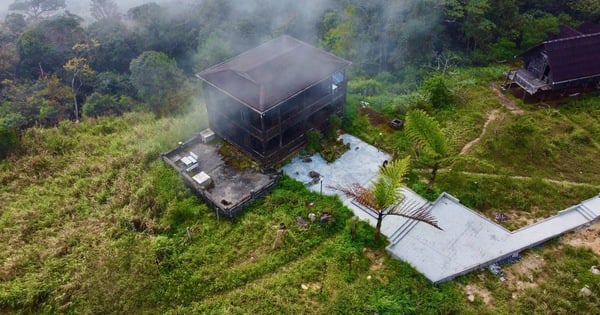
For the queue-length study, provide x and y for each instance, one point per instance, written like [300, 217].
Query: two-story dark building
[568, 62]
[264, 100]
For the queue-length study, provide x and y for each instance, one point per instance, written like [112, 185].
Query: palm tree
[385, 196]
[430, 143]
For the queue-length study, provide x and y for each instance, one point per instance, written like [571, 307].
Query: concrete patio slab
[359, 165]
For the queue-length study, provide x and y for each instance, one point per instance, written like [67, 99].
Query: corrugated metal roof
[588, 28]
[273, 72]
[567, 31]
[573, 57]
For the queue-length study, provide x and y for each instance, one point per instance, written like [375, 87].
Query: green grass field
[92, 221]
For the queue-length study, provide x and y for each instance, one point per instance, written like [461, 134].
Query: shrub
[521, 131]
[313, 140]
[113, 84]
[335, 123]
[580, 136]
[365, 87]
[437, 92]
[8, 139]
[102, 104]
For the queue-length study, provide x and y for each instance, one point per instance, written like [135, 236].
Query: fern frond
[361, 194]
[385, 196]
[415, 211]
[425, 133]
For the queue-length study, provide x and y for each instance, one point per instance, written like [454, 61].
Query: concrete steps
[402, 231]
[586, 212]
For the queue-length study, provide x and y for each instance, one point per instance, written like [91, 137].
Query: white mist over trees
[399, 41]
[82, 7]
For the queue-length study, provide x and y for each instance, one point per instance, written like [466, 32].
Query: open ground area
[478, 120]
[91, 214]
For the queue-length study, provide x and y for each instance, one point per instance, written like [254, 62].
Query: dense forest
[56, 65]
[92, 221]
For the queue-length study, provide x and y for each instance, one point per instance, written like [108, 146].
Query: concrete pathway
[469, 240]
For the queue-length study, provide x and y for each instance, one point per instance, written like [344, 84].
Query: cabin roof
[271, 73]
[573, 55]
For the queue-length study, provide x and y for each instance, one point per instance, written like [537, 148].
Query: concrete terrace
[228, 190]
[469, 240]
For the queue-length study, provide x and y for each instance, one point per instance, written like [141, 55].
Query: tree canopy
[104, 10]
[405, 42]
[157, 80]
[46, 46]
[37, 9]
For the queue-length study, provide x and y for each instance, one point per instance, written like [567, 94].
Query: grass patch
[93, 222]
[524, 200]
[552, 287]
[91, 215]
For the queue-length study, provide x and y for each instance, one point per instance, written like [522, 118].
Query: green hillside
[93, 221]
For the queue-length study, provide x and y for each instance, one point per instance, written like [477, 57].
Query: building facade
[265, 100]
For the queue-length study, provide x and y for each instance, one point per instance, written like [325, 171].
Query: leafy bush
[8, 139]
[158, 81]
[313, 140]
[580, 136]
[365, 87]
[522, 130]
[438, 94]
[102, 105]
[333, 150]
[335, 123]
[113, 84]
[502, 50]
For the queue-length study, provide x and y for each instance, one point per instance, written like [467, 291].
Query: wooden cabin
[265, 100]
[568, 62]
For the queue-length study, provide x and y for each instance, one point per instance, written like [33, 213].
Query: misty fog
[82, 8]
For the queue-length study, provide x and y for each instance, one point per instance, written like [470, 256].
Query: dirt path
[491, 117]
[518, 177]
[585, 237]
[494, 114]
[549, 180]
[507, 102]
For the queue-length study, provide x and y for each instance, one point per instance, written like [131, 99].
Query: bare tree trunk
[432, 177]
[378, 226]
[75, 91]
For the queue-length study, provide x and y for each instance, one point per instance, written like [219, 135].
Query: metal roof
[271, 73]
[573, 55]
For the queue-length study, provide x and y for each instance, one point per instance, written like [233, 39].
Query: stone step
[593, 213]
[585, 213]
[399, 230]
[403, 231]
